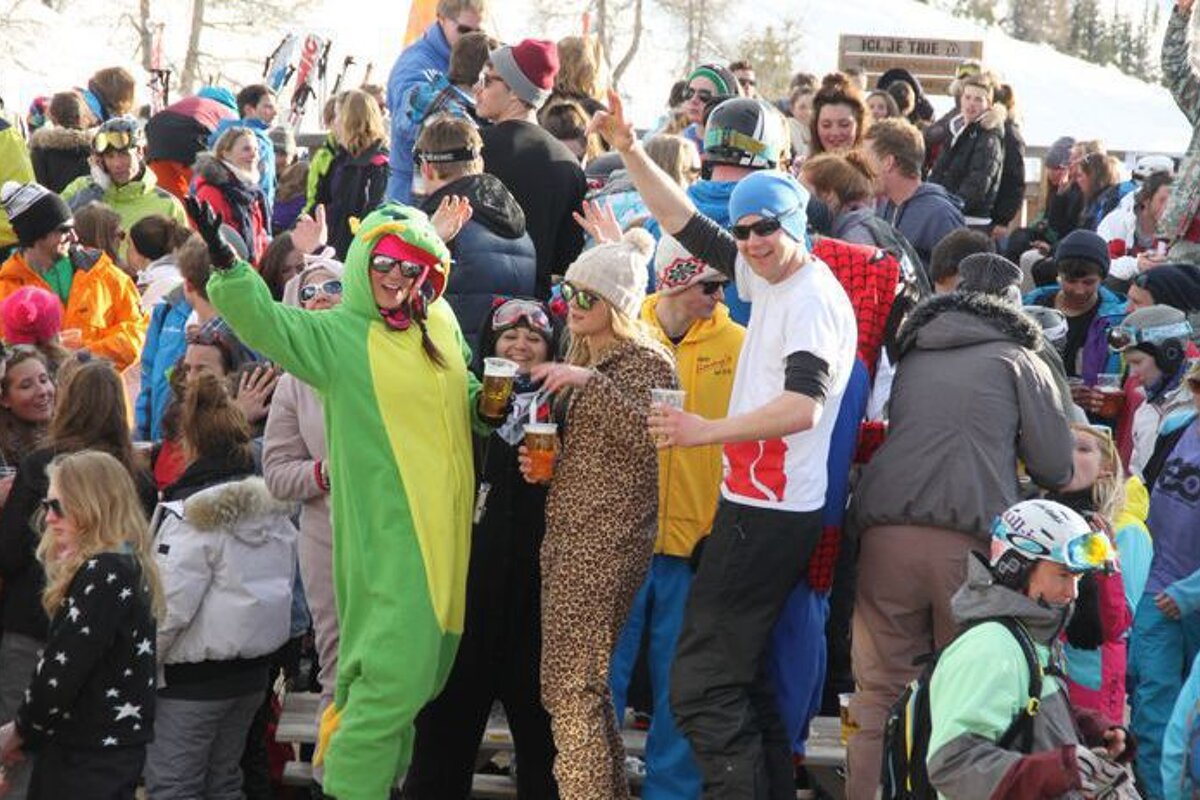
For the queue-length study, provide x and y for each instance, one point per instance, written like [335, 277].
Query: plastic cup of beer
[849, 726]
[541, 445]
[498, 377]
[71, 338]
[1112, 395]
[667, 397]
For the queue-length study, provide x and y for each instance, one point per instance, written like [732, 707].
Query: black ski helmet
[746, 132]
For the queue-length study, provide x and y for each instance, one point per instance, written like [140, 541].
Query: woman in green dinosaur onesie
[390, 365]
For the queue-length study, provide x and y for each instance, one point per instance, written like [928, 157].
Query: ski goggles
[385, 264]
[580, 298]
[330, 288]
[1087, 552]
[114, 140]
[512, 313]
[1125, 336]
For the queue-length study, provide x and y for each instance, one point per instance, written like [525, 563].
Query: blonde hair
[99, 496]
[229, 139]
[583, 69]
[1108, 492]
[675, 155]
[359, 122]
[624, 329]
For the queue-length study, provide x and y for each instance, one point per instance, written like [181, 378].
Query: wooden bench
[825, 757]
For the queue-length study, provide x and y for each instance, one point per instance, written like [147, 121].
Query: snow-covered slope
[1059, 95]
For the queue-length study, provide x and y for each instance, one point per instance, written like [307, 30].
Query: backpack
[894, 242]
[906, 732]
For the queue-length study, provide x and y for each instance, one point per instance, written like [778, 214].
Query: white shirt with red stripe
[807, 312]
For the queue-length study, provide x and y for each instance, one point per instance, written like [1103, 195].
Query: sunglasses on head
[112, 140]
[763, 227]
[581, 298]
[53, 504]
[712, 287]
[704, 94]
[329, 288]
[385, 264]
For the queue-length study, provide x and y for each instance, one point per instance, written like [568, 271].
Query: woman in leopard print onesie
[601, 513]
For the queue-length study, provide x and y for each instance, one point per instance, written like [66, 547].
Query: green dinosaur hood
[409, 224]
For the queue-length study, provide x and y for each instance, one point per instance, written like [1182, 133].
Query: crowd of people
[489, 403]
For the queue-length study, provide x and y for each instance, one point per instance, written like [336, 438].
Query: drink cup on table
[1112, 394]
[498, 377]
[541, 445]
[667, 397]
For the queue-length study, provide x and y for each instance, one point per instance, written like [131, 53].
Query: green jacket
[14, 166]
[318, 165]
[134, 201]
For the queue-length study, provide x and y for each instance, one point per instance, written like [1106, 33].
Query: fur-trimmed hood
[244, 508]
[991, 120]
[209, 167]
[961, 319]
[61, 139]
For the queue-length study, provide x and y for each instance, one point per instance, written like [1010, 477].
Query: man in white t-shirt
[793, 369]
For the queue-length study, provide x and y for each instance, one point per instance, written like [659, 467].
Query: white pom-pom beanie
[616, 271]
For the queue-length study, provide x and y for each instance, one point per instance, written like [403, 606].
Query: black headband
[446, 156]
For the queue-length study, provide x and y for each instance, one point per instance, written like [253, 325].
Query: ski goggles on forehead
[330, 288]
[113, 140]
[1125, 336]
[385, 264]
[511, 313]
[1087, 552]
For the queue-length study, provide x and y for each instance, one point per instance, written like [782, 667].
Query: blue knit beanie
[771, 193]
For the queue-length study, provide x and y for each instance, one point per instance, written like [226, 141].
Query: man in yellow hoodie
[687, 315]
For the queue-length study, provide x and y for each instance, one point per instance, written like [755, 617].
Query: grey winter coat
[970, 398]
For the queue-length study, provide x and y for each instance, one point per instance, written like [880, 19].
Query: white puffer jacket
[227, 557]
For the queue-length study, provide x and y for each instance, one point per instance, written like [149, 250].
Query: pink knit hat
[31, 316]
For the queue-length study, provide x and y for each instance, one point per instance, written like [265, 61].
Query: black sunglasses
[712, 287]
[747, 82]
[764, 227]
[53, 504]
[463, 30]
[704, 94]
[385, 264]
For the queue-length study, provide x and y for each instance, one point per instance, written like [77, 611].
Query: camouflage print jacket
[1184, 84]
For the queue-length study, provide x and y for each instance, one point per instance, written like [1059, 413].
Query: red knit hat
[31, 316]
[528, 68]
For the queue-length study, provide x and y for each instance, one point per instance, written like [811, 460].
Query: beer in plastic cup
[71, 338]
[1112, 394]
[667, 397]
[541, 446]
[498, 377]
[849, 726]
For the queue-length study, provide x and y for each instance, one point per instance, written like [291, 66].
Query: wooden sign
[932, 61]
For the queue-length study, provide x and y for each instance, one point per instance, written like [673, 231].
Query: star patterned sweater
[94, 682]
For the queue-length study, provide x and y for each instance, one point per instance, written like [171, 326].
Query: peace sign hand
[612, 126]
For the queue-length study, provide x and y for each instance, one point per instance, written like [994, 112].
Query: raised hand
[208, 225]
[451, 215]
[612, 126]
[599, 220]
[310, 232]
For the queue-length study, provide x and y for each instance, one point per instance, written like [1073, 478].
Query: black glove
[208, 225]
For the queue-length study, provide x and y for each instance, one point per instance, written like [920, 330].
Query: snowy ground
[1059, 95]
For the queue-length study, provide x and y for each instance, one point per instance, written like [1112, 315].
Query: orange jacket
[103, 304]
